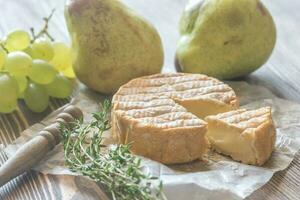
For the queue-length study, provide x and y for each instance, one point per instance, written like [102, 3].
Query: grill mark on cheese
[146, 90]
[244, 119]
[189, 82]
[153, 112]
[176, 115]
[140, 105]
[166, 88]
[175, 123]
[137, 98]
[190, 93]
[229, 114]
[252, 123]
[158, 81]
[162, 115]
[172, 124]
[246, 115]
[218, 95]
[166, 119]
[163, 89]
[228, 97]
[169, 78]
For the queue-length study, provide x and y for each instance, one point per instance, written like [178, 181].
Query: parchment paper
[216, 177]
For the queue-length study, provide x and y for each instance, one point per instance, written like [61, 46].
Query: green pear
[111, 44]
[225, 38]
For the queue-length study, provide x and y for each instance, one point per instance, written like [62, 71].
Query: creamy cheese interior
[230, 141]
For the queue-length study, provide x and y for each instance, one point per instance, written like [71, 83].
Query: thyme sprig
[115, 168]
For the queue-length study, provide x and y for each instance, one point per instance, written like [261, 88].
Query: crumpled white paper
[216, 177]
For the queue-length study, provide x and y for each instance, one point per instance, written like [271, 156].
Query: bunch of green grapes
[33, 69]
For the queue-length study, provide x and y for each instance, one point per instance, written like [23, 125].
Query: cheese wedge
[156, 114]
[245, 135]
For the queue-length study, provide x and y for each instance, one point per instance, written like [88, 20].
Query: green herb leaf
[115, 168]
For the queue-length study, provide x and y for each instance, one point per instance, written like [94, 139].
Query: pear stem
[3, 47]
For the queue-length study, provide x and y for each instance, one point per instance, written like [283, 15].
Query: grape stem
[3, 47]
[44, 30]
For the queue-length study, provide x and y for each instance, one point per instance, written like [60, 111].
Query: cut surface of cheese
[157, 114]
[245, 135]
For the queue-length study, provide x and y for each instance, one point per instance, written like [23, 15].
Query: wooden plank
[281, 74]
[29, 186]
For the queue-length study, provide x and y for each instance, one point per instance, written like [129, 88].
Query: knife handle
[36, 149]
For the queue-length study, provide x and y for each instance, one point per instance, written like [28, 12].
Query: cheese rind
[155, 114]
[161, 130]
[166, 145]
[246, 136]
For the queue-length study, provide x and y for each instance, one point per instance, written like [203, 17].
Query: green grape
[2, 57]
[62, 56]
[18, 63]
[22, 83]
[69, 72]
[41, 72]
[17, 40]
[28, 50]
[36, 97]
[8, 93]
[60, 87]
[42, 49]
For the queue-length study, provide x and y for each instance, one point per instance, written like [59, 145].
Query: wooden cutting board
[281, 75]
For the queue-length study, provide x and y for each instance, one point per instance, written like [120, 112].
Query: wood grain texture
[280, 74]
[32, 152]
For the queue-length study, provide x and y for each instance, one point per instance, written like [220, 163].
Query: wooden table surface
[281, 74]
